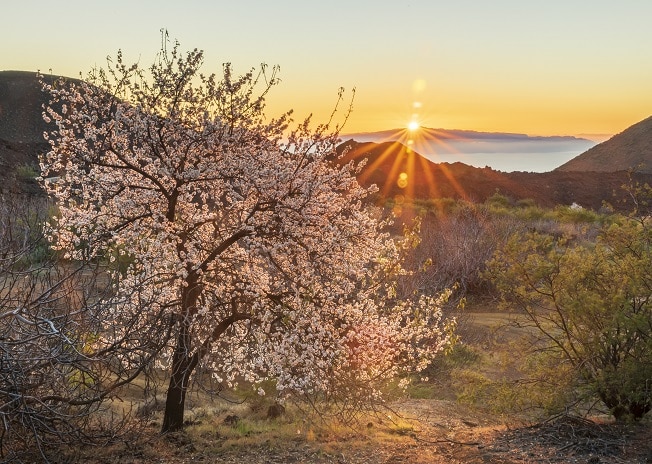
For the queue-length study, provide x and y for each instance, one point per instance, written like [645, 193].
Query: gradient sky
[563, 67]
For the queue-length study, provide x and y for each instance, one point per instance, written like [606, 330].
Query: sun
[413, 126]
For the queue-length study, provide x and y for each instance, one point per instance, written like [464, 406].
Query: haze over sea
[506, 152]
[510, 162]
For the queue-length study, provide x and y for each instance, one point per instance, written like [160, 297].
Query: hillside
[402, 173]
[630, 149]
[21, 128]
[21, 103]
[397, 170]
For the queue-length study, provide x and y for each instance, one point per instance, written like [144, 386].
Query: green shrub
[590, 305]
[576, 214]
[27, 172]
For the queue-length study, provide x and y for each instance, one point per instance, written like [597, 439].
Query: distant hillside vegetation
[21, 101]
[631, 149]
[21, 129]
[402, 173]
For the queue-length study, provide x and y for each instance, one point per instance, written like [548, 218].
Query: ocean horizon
[508, 162]
[500, 151]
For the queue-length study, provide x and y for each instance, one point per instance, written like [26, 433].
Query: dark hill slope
[399, 171]
[21, 129]
[630, 149]
[21, 101]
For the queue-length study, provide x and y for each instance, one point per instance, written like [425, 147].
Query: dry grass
[425, 431]
[431, 427]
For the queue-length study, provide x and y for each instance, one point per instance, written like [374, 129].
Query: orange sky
[562, 67]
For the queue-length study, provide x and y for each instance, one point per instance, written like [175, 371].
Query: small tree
[250, 254]
[592, 306]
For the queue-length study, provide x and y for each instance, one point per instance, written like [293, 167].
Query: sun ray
[451, 178]
[406, 168]
[426, 169]
[411, 174]
[376, 164]
[395, 170]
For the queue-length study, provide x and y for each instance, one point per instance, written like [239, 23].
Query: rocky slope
[631, 149]
[21, 130]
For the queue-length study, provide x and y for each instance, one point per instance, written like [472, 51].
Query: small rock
[275, 410]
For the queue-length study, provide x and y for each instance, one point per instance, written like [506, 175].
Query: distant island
[501, 151]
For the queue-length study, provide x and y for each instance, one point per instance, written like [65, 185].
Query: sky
[560, 67]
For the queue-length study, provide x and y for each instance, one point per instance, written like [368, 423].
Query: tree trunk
[174, 404]
[182, 366]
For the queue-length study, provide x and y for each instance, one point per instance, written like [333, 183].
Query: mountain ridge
[506, 151]
[402, 173]
[629, 149]
[462, 134]
[21, 141]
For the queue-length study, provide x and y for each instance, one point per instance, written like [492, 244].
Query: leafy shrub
[27, 172]
[591, 306]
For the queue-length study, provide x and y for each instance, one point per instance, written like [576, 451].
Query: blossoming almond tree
[254, 252]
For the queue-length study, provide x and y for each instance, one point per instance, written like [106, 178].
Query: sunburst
[408, 172]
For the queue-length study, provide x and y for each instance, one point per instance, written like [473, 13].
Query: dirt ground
[413, 431]
[439, 432]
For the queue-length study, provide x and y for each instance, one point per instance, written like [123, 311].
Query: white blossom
[225, 220]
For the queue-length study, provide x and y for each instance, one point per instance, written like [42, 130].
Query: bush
[454, 247]
[591, 306]
[27, 172]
